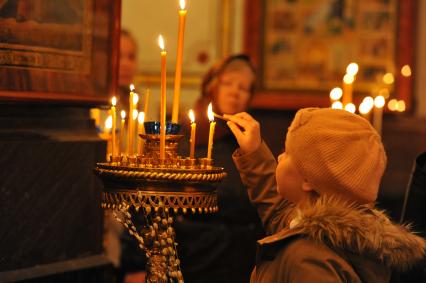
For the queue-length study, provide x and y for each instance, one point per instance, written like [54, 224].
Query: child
[321, 219]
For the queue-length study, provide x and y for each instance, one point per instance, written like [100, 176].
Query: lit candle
[379, 102]
[163, 100]
[145, 107]
[130, 125]
[350, 107]
[141, 131]
[347, 89]
[211, 132]
[335, 94]
[114, 123]
[192, 139]
[123, 121]
[179, 55]
[365, 107]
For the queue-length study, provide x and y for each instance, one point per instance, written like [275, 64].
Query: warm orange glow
[406, 71]
[135, 114]
[210, 113]
[182, 4]
[141, 117]
[352, 69]
[401, 106]
[123, 114]
[191, 116]
[336, 93]
[135, 98]
[365, 107]
[114, 101]
[132, 87]
[108, 122]
[393, 105]
[337, 105]
[368, 100]
[161, 42]
[388, 78]
[348, 79]
[379, 101]
[350, 107]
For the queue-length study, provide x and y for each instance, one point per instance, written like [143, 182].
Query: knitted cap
[338, 152]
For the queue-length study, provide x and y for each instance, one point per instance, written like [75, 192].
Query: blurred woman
[221, 247]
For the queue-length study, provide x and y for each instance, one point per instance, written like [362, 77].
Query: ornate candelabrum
[158, 190]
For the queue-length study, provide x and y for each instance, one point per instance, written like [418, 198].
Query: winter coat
[328, 241]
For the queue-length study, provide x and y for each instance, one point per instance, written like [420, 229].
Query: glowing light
[365, 107]
[135, 114]
[406, 71]
[393, 105]
[336, 93]
[210, 113]
[388, 78]
[132, 87]
[141, 117]
[114, 101]
[123, 114]
[182, 4]
[350, 107]
[368, 100]
[352, 69]
[379, 101]
[348, 79]
[161, 42]
[337, 105]
[401, 106]
[108, 122]
[135, 98]
[191, 116]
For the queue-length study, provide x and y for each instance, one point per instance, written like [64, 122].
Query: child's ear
[307, 187]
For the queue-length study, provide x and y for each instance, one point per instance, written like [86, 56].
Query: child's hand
[246, 130]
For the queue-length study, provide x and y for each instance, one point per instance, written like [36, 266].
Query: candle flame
[364, 107]
[379, 101]
[108, 122]
[393, 105]
[132, 87]
[161, 42]
[182, 4]
[406, 70]
[336, 93]
[348, 79]
[368, 100]
[352, 69]
[114, 101]
[350, 107]
[135, 98]
[123, 114]
[135, 114]
[388, 78]
[401, 106]
[337, 105]
[191, 116]
[141, 117]
[210, 113]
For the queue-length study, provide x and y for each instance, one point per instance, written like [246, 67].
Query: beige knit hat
[338, 152]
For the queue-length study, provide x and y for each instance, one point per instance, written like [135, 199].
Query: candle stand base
[159, 190]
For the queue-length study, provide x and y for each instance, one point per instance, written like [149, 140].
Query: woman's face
[233, 93]
[128, 63]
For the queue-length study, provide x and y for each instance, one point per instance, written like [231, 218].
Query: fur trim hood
[360, 230]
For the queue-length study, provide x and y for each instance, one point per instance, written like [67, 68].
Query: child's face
[289, 180]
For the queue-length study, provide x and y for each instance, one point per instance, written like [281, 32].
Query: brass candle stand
[159, 190]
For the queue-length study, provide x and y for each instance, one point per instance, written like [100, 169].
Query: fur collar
[361, 230]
